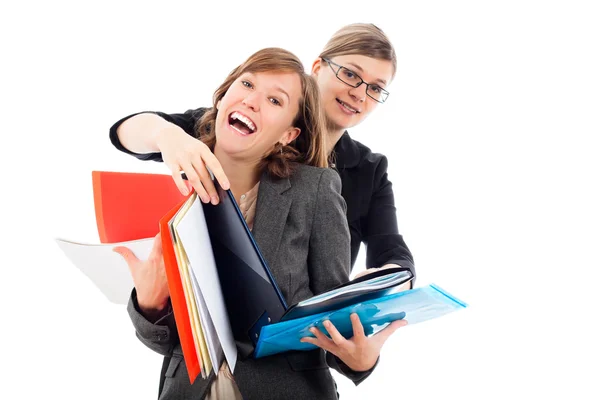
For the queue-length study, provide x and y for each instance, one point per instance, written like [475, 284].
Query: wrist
[165, 132]
[361, 367]
[160, 133]
[151, 306]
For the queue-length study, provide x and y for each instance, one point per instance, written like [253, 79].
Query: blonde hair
[362, 39]
[309, 147]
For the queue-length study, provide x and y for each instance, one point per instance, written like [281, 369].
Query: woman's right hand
[149, 277]
[182, 152]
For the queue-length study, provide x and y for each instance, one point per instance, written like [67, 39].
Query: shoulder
[197, 113]
[350, 153]
[366, 162]
[313, 179]
[368, 157]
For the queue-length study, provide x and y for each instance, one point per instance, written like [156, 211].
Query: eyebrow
[279, 89]
[383, 82]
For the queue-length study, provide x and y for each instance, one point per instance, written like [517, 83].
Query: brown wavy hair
[362, 39]
[309, 147]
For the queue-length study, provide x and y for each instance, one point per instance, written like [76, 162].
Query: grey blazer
[301, 228]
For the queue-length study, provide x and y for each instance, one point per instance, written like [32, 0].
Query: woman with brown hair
[356, 54]
[265, 133]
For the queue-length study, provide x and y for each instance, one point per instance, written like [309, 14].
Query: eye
[376, 89]
[248, 84]
[349, 74]
[274, 101]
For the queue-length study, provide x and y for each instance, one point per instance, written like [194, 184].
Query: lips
[242, 123]
[347, 106]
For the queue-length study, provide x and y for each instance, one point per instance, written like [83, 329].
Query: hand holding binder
[360, 351]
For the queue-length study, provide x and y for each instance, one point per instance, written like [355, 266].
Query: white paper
[105, 268]
[195, 239]
[381, 282]
[210, 334]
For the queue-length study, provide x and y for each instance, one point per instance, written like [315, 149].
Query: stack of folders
[224, 297]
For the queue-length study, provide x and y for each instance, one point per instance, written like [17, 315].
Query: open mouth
[347, 107]
[241, 123]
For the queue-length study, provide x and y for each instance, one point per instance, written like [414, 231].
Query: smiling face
[256, 113]
[344, 105]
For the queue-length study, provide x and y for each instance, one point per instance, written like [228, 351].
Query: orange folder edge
[178, 302]
[97, 188]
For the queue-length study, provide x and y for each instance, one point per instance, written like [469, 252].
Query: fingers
[176, 174]
[193, 157]
[156, 254]
[128, 255]
[319, 340]
[385, 333]
[366, 272]
[206, 181]
[215, 167]
[308, 339]
[195, 180]
[313, 341]
[357, 327]
[337, 338]
[361, 274]
[199, 178]
[157, 246]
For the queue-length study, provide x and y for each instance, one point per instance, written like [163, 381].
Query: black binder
[251, 295]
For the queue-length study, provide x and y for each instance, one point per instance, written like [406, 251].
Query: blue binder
[416, 305]
[261, 321]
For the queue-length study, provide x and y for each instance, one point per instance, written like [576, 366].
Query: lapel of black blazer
[272, 208]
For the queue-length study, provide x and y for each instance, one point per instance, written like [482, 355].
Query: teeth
[245, 120]
[347, 107]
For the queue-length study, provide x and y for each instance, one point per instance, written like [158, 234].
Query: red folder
[129, 205]
[177, 294]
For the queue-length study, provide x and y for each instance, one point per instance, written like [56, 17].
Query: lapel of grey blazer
[272, 208]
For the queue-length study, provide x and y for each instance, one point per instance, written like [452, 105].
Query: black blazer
[368, 193]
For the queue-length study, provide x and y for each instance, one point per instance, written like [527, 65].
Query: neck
[243, 175]
[334, 133]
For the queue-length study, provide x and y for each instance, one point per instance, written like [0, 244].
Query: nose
[358, 93]
[251, 101]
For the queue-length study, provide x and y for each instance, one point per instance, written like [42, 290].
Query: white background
[491, 131]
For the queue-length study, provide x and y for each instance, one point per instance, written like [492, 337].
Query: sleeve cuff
[405, 264]
[160, 330]
[355, 376]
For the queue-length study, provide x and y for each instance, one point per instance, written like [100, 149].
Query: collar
[279, 185]
[346, 152]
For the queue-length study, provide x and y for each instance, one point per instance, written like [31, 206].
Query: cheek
[326, 87]
[221, 118]
[328, 94]
[278, 126]
[371, 106]
[338, 89]
[366, 110]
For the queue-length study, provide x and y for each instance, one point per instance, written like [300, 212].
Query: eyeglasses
[350, 78]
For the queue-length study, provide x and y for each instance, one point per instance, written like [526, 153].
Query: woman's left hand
[360, 352]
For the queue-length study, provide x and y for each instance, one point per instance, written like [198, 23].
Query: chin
[232, 148]
[342, 122]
